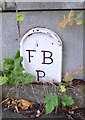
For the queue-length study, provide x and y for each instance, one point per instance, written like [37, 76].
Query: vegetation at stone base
[62, 88]
[14, 75]
[52, 100]
[14, 72]
[67, 100]
[3, 80]
[61, 99]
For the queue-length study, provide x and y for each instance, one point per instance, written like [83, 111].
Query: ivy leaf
[3, 80]
[62, 88]
[51, 101]
[67, 101]
[20, 17]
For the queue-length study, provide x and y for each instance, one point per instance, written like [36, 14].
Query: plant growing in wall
[70, 19]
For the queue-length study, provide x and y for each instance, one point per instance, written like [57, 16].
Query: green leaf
[49, 107]
[20, 17]
[13, 69]
[48, 97]
[79, 22]
[28, 78]
[51, 101]
[67, 101]
[79, 19]
[8, 65]
[17, 54]
[17, 63]
[55, 100]
[80, 15]
[62, 88]
[3, 80]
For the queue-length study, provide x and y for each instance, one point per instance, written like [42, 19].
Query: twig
[4, 101]
[80, 116]
[53, 85]
[69, 116]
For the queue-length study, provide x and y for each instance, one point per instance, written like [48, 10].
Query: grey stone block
[72, 37]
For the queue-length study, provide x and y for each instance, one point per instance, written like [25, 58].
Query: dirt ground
[37, 93]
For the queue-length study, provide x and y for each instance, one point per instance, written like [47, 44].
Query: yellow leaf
[63, 23]
[79, 22]
[71, 14]
[24, 104]
[68, 77]
[70, 22]
[62, 88]
[67, 21]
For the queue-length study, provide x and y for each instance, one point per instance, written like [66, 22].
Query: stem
[18, 24]
[44, 89]
[34, 93]
[53, 86]
[80, 116]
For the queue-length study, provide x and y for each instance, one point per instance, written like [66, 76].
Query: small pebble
[38, 113]
[5, 109]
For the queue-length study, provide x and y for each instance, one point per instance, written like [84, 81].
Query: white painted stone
[45, 54]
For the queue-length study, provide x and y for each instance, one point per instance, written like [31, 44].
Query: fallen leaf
[24, 104]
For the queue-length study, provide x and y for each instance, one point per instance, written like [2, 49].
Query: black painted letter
[44, 57]
[38, 74]
[29, 56]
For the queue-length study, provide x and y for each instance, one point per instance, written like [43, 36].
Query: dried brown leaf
[63, 23]
[24, 104]
[70, 22]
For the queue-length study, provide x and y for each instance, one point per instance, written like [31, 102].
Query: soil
[37, 92]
